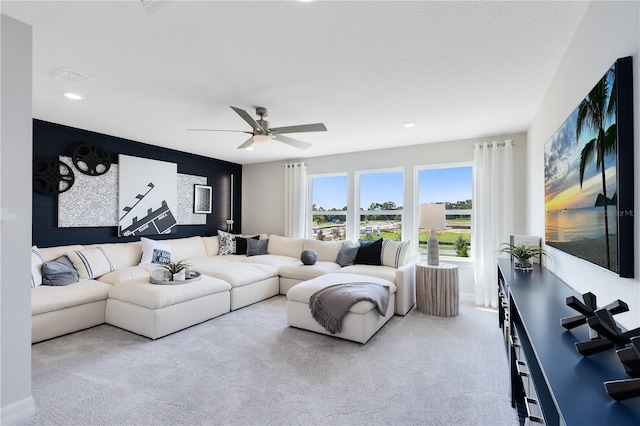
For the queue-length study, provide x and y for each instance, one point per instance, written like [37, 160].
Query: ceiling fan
[261, 132]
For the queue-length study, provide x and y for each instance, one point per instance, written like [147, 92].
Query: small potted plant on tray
[178, 270]
[522, 254]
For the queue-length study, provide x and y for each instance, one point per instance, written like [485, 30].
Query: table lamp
[432, 217]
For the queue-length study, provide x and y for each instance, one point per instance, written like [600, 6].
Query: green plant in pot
[178, 270]
[523, 253]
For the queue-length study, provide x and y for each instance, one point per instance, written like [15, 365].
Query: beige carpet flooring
[249, 368]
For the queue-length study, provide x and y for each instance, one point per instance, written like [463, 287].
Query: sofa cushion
[185, 248]
[327, 250]
[47, 298]
[59, 272]
[395, 253]
[122, 255]
[257, 247]
[299, 271]
[384, 272]
[212, 245]
[130, 273]
[238, 274]
[369, 253]
[275, 260]
[36, 267]
[285, 246]
[347, 255]
[156, 296]
[91, 262]
[153, 251]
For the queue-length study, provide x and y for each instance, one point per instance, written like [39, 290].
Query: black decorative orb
[309, 257]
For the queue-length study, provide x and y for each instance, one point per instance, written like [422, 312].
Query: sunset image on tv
[580, 179]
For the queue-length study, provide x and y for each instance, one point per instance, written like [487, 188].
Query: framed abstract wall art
[589, 176]
[202, 199]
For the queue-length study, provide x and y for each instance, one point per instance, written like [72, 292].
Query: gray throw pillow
[256, 247]
[59, 272]
[347, 255]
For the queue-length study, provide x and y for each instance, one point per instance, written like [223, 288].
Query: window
[451, 186]
[380, 199]
[328, 207]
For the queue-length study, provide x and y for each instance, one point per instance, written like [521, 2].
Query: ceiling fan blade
[247, 144]
[316, 127]
[246, 117]
[216, 130]
[292, 142]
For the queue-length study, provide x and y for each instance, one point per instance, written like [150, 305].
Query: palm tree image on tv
[581, 179]
[593, 111]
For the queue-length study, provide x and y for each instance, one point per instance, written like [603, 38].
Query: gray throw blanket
[330, 304]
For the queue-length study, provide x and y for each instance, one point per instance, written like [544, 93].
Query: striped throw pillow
[91, 263]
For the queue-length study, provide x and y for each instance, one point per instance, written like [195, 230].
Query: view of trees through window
[451, 186]
[329, 207]
[381, 205]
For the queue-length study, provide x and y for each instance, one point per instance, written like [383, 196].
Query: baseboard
[18, 411]
[467, 297]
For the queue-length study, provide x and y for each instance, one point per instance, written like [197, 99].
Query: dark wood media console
[556, 384]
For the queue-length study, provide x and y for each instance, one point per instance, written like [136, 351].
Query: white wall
[609, 30]
[263, 184]
[16, 403]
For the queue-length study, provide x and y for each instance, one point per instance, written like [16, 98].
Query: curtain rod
[503, 143]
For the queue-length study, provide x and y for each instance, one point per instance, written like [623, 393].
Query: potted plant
[523, 253]
[178, 270]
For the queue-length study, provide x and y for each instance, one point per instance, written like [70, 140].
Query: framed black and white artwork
[202, 198]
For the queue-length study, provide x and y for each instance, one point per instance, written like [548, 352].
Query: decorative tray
[191, 277]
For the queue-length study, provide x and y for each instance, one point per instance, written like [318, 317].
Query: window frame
[312, 213]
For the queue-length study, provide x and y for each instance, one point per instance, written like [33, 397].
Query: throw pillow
[91, 262]
[256, 247]
[59, 272]
[347, 255]
[394, 253]
[155, 252]
[227, 243]
[369, 253]
[241, 244]
[36, 267]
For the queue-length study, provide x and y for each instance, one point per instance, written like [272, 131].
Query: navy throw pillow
[369, 253]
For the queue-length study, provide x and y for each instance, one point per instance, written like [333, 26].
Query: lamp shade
[261, 138]
[432, 216]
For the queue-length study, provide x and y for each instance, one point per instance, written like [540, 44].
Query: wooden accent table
[437, 289]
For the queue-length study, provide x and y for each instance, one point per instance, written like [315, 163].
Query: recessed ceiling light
[73, 96]
[249, 148]
[409, 124]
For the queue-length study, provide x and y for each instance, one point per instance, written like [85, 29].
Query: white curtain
[295, 199]
[492, 214]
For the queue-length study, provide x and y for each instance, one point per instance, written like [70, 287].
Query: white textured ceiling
[457, 69]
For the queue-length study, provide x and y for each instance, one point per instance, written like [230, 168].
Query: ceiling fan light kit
[262, 132]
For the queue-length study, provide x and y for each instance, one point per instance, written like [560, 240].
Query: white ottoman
[361, 322]
[155, 310]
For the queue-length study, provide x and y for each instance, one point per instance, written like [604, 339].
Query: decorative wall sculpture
[147, 196]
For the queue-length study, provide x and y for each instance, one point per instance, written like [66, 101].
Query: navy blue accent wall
[52, 140]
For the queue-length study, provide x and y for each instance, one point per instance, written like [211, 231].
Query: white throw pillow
[155, 252]
[91, 262]
[394, 253]
[36, 267]
[227, 243]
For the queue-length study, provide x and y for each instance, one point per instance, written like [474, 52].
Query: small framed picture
[202, 198]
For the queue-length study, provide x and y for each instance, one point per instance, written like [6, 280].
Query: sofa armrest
[406, 286]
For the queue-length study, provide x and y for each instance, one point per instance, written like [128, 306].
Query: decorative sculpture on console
[587, 310]
[630, 359]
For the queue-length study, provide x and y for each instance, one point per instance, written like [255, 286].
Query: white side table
[437, 289]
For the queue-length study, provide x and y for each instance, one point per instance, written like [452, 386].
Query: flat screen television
[589, 176]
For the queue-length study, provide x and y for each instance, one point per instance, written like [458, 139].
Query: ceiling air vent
[69, 75]
[151, 6]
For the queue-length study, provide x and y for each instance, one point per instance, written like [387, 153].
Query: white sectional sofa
[115, 289]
